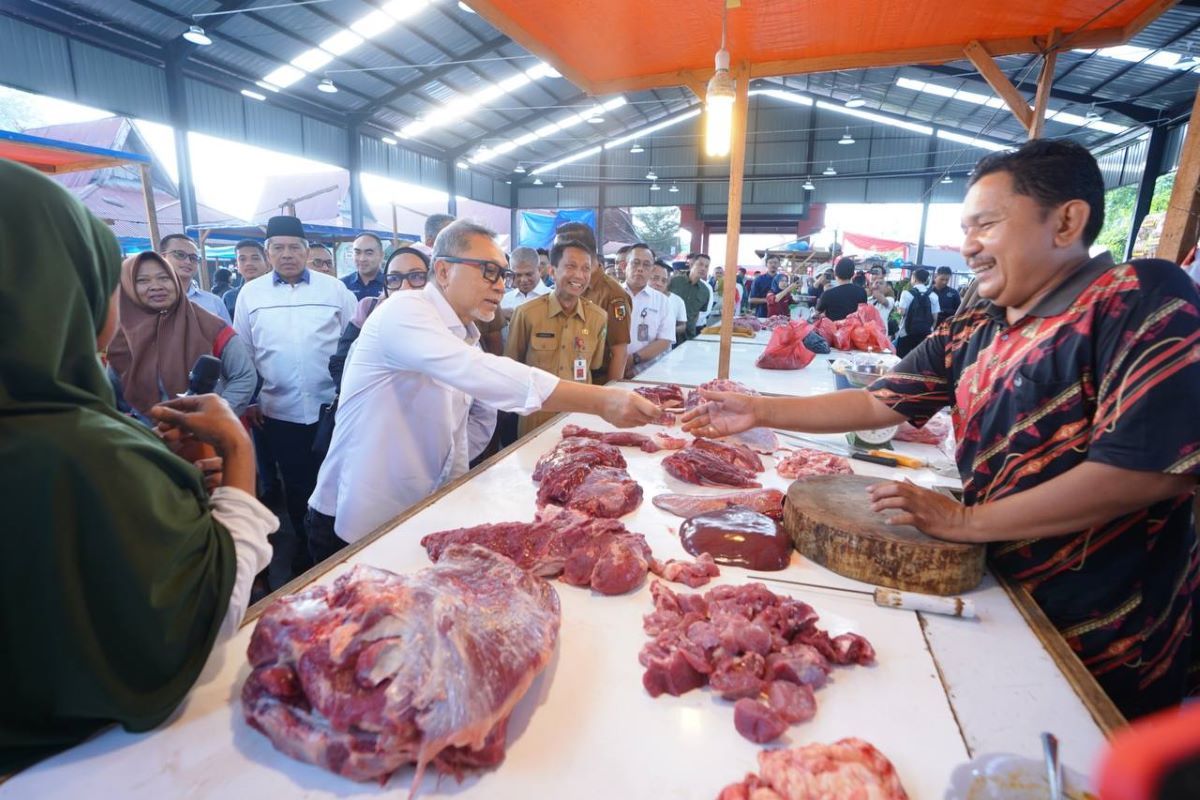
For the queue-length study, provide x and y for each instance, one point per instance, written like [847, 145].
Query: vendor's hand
[206, 417]
[926, 510]
[213, 470]
[254, 416]
[722, 414]
[626, 409]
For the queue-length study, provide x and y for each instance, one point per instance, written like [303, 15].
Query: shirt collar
[556, 307]
[469, 333]
[376, 281]
[304, 277]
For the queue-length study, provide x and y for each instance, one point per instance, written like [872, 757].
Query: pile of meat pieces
[848, 768]
[750, 645]
[380, 670]
[586, 475]
[804, 462]
[581, 550]
[708, 462]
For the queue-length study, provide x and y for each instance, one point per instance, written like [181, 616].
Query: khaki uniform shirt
[542, 335]
[612, 298]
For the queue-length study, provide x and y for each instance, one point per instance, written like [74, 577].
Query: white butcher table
[943, 690]
[695, 362]
[760, 338]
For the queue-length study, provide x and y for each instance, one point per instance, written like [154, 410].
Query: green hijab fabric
[114, 576]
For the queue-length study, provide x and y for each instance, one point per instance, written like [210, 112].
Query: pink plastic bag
[786, 349]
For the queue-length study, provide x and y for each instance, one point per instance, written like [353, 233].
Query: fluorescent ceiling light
[342, 42]
[467, 104]
[401, 10]
[312, 60]
[373, 24]
[542, 70]
[873, 117]
[973, 141]
[504, 147]
[284, 76]
[787, 97]
[388, 140]
[265, 85]
[591, 151]
[253, 95]
[642, 133]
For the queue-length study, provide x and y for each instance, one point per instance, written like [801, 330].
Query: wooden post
[1179, 227]
[1045, 80]
[1000, 83]
[737, 168]
[151, 211]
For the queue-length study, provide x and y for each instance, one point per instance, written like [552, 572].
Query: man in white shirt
[401, 428]
[915, 323]
[292, 320]
[527, 282]
[653, 322]
[660, 280]
[181, 253]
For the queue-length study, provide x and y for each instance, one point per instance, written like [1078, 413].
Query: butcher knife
[887, 458]
[894, 598]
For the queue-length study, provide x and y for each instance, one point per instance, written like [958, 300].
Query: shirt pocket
[543, 353]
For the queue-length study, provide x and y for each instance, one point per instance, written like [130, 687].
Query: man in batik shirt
[1073, 391]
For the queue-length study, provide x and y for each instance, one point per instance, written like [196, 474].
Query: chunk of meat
[705, 469]
[739, 676]
[615, 438]
[351, 677]
[798, 663]
[848, 768]
[764, 501]
[758, 722]
[667, 395]
[586, 551]
[792, 701]
[803, 462]
[603, 492]
[736, 454]
[716, 385]
[578, 450]
[668, 442]
[760, 440]
[693, 573]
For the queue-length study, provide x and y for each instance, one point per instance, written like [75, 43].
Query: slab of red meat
[803, 462]
[356, 676]
[736, 454]
[615, 438]
[579, 450]
[748, 644]
[667, 395]
[584, 550]
[705, 469]
[668, 442]
[603, 492]
[716, 385]
[764, 501]
[847, 768]
[693, 573]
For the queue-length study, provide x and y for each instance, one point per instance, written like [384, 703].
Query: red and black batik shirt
[1105, 369]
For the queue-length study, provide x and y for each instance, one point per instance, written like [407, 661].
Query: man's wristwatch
[637, 359]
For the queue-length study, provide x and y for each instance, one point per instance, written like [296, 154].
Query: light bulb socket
[637, 148]
[327, 86]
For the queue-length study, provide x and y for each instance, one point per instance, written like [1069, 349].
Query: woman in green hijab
[118, 570]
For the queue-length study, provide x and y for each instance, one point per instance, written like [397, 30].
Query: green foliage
[1118, 212]
[658, 226]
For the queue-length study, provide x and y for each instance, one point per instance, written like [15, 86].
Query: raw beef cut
[615, 438]
[747, 644]
[667, 395]
[666, 442]
[690, 573]
[380, 670]
[736, 454]
[932, 432]
[701, 467]
[764, 501]
[716, 385]
[603, 492]
[848, 768]
[803, 462]
[580, 450]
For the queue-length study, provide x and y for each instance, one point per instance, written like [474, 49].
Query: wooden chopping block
[830, 520]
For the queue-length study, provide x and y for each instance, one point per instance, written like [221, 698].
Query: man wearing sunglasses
[402, 428]
[180, 252]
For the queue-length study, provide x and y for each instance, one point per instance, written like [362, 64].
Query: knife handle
[932, 604]
[904, 461]
[886, 461]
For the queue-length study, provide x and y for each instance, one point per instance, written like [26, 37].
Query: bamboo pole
[1045, 81]
[1179, 227]
[737, 168]
[151, 211]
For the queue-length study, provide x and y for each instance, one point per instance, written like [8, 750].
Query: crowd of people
[144, 514]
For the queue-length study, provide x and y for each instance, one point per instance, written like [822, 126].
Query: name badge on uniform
[581, 370]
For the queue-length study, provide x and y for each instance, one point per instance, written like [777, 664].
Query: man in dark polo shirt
[693, 288]
[1072, 386]
[367, 278]
[762, 286]
[843, 298]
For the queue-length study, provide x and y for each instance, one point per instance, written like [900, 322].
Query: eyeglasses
[416, 278]
[182, 256]
[322, 262]
[491, 270]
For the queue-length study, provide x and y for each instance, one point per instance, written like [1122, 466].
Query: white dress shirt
[678, 307]
[652, 309]
[209, 302]
[292, 330]
[702, 318]
[515, 298]
[402, 425]
[249, 523]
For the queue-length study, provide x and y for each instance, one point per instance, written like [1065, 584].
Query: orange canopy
[624, 45]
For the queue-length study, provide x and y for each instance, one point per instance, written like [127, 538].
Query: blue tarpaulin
[537, 230]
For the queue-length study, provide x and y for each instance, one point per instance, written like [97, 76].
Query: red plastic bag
[786, 349]
[862, 330]
[826, 328]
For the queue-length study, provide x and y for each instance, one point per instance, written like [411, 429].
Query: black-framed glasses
[492, 271]
[182, 256]
[416, 278]
[322, 262]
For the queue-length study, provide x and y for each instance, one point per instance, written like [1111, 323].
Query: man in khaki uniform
[561, 332]
[607, 293]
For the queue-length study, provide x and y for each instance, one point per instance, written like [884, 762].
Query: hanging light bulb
[326, 86]
[718, 103]
[846, 137]
[856, 101]
[654, 187]
[537, 181]
[558, 185]
[830, 170]
[673, 188]
[196, 35]
[637, 148]
[519, 168]
[947, 179]
[651, 176]
[1093, 115]
[808, 185]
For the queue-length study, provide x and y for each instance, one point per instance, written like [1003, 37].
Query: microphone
[204, 375]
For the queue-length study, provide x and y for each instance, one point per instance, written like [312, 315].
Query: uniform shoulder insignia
[620, 309]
